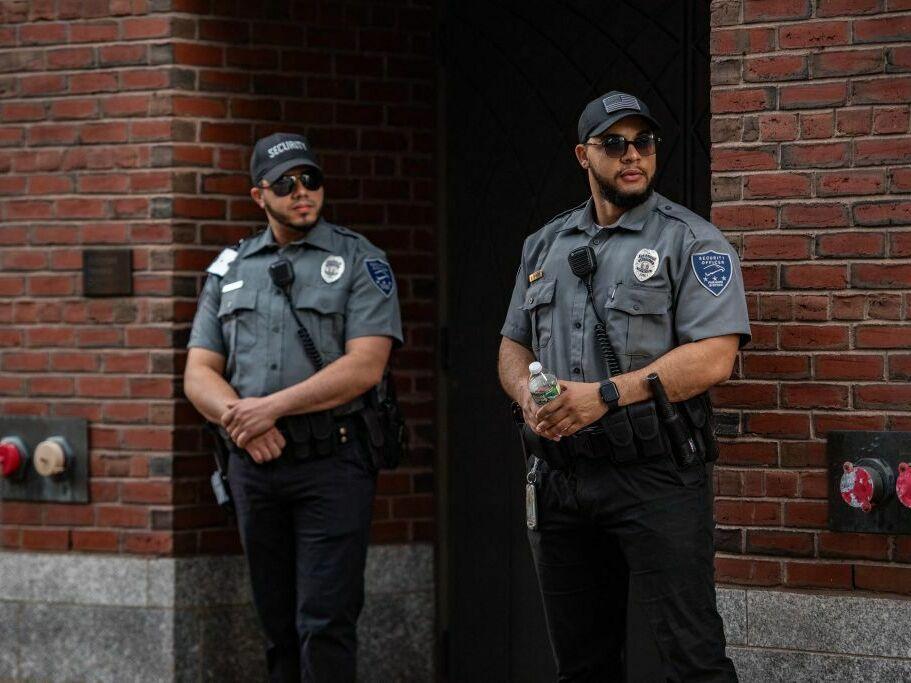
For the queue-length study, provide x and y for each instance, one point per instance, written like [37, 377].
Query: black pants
[304, 525]
[605, 529]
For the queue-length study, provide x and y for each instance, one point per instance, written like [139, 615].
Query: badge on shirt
[645, 264]
[537, 275]
[713, 270]
[381, 274]
[332, 269]
[220, 265]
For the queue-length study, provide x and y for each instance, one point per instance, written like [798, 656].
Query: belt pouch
[619, 432]
[650, 439]
[298, 427]
[698, 411]
[322, 427]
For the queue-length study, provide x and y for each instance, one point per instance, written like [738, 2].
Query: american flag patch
[620, 101]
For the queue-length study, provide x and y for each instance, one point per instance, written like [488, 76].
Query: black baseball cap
[277, 153]
[603, 112]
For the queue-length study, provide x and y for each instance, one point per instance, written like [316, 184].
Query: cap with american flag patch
[603, 112]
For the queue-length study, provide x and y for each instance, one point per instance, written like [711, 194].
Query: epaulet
[563, 214]
[696, 224]
[345, 232]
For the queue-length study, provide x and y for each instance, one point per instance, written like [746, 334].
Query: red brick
[119, 55]
[145, 27]
[745, 217]
[198, 55]
[777, 127]
[899, 367]
[818, 575]
[74, 109]
[815, 155]
[45, 539]
[775, 366]
[839, 183]
[879, 276]
[43, 34]
[775, 10]
[805, 215]
[878, 152]
[824, 423]
[832, 8]
[814, 396]
[776, 185]
[898, 59]
[883, 213]
[882, 29]
[895, 396]
[747, 513]
[889, 120]
[93, 82]
[848, 366]
[832, 63]
[95, 540]
[890, 90]
[850, 244]
[93, 32]
[776, 247]
[853, 121]
[817, 126]
[742, 41]
[744, 395]
[122, 516]
[149, 543]
[883, 578]
[814, 276]
[806, 514]
[71, 58]
[748, 453]
[812, 95]
[22, 111]
[775, 68]
[747, 571]
[790, 543]
[815, 34]
[778, 425]
[742, 100]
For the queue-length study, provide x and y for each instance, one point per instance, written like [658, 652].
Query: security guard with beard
[614, 509]
[293, 328]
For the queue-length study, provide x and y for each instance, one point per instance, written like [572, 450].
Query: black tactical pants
[304, 525]
[605, 529]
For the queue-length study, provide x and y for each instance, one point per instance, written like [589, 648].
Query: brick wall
[811, 159]
[129, 123]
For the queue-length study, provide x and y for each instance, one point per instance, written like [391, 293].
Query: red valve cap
[10, 459]
[903, 484]
[857, 487]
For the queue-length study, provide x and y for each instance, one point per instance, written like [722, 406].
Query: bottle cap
[535, 367]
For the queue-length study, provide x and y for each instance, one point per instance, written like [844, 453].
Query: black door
[516, 75]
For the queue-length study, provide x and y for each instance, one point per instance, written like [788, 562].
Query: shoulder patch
[713, 270]
[381, 275]
[220, 265]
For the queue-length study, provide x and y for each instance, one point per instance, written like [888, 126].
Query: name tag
[232, 286]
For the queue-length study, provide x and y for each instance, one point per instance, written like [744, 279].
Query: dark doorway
[515, 76]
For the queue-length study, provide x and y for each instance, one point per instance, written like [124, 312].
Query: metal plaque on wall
[107, 272]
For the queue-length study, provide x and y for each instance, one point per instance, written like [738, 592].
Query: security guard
[300, 470]
[614, 510]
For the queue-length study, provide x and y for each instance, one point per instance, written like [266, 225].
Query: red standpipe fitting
[11, 459]
[857, 487]
[903, 484]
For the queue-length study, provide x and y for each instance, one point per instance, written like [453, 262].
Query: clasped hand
[578, 405]
[247, 418]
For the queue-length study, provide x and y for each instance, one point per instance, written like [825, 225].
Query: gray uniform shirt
[343, 288]
[665, 277]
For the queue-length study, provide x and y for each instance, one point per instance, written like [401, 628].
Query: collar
[634, 219]
[319, 236]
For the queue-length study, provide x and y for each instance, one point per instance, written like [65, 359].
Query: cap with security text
[603, 112]
[278, 153]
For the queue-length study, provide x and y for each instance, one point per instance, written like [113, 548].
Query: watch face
[609, 392]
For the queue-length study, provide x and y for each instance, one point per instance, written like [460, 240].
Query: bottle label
[549, 394]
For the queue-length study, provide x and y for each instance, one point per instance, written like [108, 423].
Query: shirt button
[274, 366]
[578, 326]
[576, 371]
[596, 241]
[275, 328]
[636, 307]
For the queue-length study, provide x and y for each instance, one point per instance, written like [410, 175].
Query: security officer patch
[713, 270]
[645, 264]
[381, 274]
[332, 269]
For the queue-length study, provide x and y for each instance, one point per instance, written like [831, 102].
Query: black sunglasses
[312, 180]
[615, 146]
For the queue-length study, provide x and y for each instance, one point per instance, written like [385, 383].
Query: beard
[289, 220]
[622, 200]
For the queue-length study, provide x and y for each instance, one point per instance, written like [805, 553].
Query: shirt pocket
[640, 317]
[539, 303]
[237, 315]
[323, 313]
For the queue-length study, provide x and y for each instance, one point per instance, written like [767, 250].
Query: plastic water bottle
[542, 385]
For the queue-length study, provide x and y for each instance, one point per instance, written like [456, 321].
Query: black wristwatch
[609, 394]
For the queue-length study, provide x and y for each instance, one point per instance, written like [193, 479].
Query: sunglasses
[615, 146]
[285, 185]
